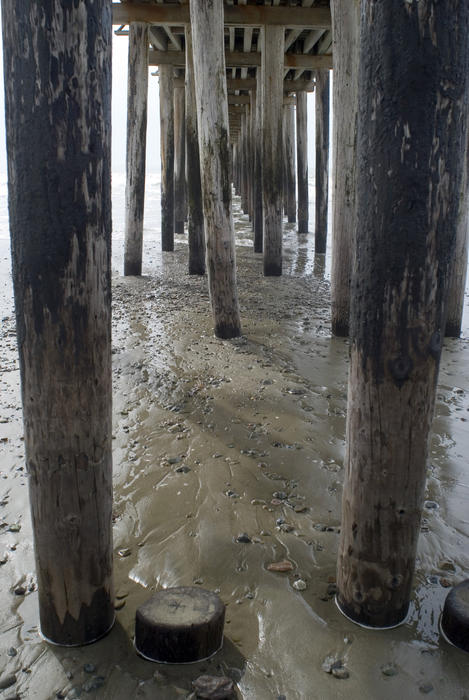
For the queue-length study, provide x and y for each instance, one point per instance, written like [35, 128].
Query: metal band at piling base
[176, 663]
[78, 644]
[370, 627]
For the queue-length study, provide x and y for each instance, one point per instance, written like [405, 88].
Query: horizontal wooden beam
[246, 100]
[235, 15]
[239, 58]
[251, 84]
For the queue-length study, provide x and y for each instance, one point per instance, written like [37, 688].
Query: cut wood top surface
[182, 606]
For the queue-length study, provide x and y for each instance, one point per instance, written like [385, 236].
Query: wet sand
[213, 439]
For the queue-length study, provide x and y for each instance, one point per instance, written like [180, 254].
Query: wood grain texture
[322, 160]
[258, 187]
[290, 162]
[273, 42]
[195, 224]
[410, 163]
[214, 150]
[137, 96]
[57, 63]
[302, 161]
[167, 156]
[179, 159]
[346, 23]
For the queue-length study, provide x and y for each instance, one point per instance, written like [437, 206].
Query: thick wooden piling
[194, 191]
[322, 159]
[137, 91]
[458, 272]
[345, 24]
[166, 83]
[290, 162]
[273, 42]
[302, 160]
[411, 150]
[179, 159]
[258, 188]
[212, 122]
[57, 66]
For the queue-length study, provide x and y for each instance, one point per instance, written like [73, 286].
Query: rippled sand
[213, 439]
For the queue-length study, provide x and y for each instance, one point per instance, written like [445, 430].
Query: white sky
[119, 114]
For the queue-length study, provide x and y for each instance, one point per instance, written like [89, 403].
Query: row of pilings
[400, 183]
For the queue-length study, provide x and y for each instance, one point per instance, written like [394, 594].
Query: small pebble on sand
[389, 670]
[299, 585]
[281, 566]
[243, 538]
[213, 687]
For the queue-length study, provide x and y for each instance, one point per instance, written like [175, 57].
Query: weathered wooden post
[345, 25]
[179, 159]
[273, 43]
[252, 154]
[458, 272]
[57, 66]
[302, 160]
[166, 84]
[248, 160]
[411, 150]
[137, 90]
[212, 124]
[290, 164]
[258, 191]
[244, 165]
[322, 159]
[194, 190]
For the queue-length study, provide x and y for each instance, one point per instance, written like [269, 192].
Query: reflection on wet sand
[228, 458]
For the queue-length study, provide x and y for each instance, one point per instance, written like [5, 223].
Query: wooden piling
[302, 160]
[166, 78]
[458, 272]
[290, 163]
[57, 67]
[212, 122]
[137, 91]
[179, 159]
[258, 188]
[411, 150]
[322, 159]
[194, 191]
[273, 42]
[345, 24]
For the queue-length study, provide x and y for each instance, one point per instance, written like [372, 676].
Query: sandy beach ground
[213, 439]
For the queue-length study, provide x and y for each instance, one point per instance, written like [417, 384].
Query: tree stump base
[180, 625]
[455, 617]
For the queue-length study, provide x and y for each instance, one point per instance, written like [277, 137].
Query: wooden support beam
[214, 148]
[166, 87]
[289, 185]
[58, 125]
[289, 86]
[412, 143]
[302, 161]
[240, 59]
[179, 159]
[345, 106]
[273, 40]
[234, 15]
[195, 223]
[258, 170]
[458, 273]
[322, 160]
[137, 97]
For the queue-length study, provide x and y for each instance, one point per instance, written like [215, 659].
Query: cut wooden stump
[180, 625]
